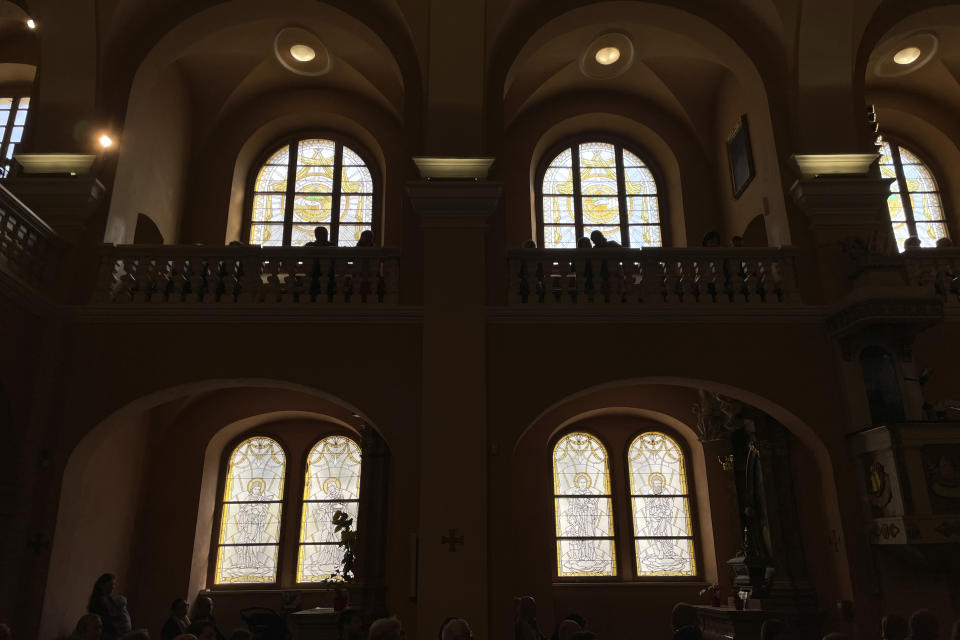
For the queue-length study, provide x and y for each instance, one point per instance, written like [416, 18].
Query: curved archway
[602, 398]
[139, 488]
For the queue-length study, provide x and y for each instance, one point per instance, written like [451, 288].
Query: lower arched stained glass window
[914, 203]
[251, 512]
[583, 507]
[332, 485]
[662, 523]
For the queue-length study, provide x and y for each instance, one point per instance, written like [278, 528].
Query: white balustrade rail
[650, 277]
[937, 271]
[29, 248]
[177, 274]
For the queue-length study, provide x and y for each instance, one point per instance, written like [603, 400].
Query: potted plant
[338, 582]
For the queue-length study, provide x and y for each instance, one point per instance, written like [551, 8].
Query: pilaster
[452, 561]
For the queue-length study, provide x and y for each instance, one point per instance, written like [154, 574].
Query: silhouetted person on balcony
[584, 243]
[600, 241]
[322, 238]
[366, 239]
[529, 244]
[712, 239]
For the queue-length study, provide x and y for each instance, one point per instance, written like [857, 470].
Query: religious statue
[717, 415]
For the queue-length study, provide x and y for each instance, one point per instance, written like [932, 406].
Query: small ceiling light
[907, 55]
[105, 141]
[607, 55]
[302, 53]
[31, 23]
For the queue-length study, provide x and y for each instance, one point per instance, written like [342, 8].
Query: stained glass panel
[301, 234]
[558, 210]
[645, 236]
[601, 210]
[309, 208]
[558, 180]
[268, 208]
[314, 180]
[316, 152]
[267, 235]
[251, 514]
[926, 207]
[350, 234]
[272, 179]
[643, 210]
[583, 507]
[280, 157]
[332, 484]
[661, 507]
[356, 180]
[929, 233]
[601, 203]
[356, 208]
[585, 558]
[559, 236]
[922, 214]
[639, 181]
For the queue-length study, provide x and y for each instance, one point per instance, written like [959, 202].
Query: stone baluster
[272, 289]
[106, 277]
[216, 284]
[315, 281]
[541, 284]
[651, 282]
[673, 281]
[520, 291]
[391, 278]
[332, 280]
[179, 282]
[751, 281]
[197, 280]
[633, 281]
[349, 269]
[366, 283]
[229, 279]
[128, 283]
[296, 281]
[144, 277]
[689, 287]
[604, 284]
[555, 280]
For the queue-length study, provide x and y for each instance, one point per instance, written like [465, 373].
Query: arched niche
[139, 490]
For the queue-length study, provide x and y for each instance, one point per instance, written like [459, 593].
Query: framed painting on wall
[740, 156]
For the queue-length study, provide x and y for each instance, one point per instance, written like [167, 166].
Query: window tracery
[914, 203]
[251, 513]
[583, 507]
[307, 183]
[598, 186]
[660, 501]
[331, 484]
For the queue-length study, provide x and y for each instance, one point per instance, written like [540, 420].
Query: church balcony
[203, 276]
[30, 251]
[936, 271]
[646, 278]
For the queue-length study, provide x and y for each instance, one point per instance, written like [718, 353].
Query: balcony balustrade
[198, 275]
[653, 277]
[936, 271]
[29, 248]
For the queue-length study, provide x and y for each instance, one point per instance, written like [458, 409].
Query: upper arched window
[13, 120]
[598, 186]
[583, 507]
[332, 484]
[914, 203]
[660, 501]
[307, 183]
[251, 511]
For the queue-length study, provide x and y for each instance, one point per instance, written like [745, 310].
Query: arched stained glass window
[332, 484]
[583, 507]
[251, 512]
[914, 203]
[662, 522]
[13, 120]
[323, 183]
[598, 186]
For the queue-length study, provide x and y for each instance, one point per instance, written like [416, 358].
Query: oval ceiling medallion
[907, 54]
[302, 52]
[607, 56]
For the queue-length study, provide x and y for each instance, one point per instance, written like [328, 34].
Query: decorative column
[845, 202]
[371, 556]
[452, 559]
